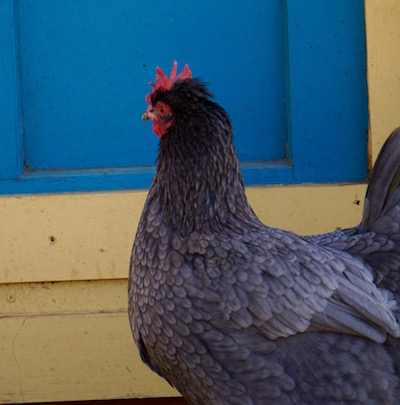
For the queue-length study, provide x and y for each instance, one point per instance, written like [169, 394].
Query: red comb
[164, 82]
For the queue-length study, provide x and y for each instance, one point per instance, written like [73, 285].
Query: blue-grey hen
[230, 311]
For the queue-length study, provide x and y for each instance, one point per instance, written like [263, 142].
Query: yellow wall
[383, 39]
[64, 332]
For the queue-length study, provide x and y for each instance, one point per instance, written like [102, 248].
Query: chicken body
[230, 311]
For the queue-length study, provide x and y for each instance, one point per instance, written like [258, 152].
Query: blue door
[292, 76]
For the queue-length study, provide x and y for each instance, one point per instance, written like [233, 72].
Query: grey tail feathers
[383, 190]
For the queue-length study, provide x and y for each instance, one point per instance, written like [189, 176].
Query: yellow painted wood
[383, 52]
[89, 236]
[67, 297]
[68, 236]
[308, 209]
[64, 332]
[72, 357]
[67, 341]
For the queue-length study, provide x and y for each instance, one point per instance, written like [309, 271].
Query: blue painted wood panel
[10, 134]
[328, 89]
[84, 79]
[292, 76]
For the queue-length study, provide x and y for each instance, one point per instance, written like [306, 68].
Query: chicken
[230, 311]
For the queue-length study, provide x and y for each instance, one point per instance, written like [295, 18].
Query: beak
[148, 114]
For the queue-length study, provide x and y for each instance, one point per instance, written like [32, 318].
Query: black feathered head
[159, 111]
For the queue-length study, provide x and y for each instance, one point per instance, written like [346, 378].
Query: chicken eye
[162, 109]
